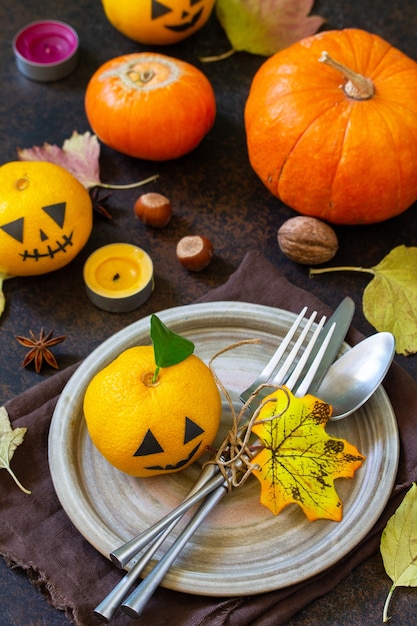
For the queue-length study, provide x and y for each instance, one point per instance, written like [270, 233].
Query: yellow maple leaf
[300, 460]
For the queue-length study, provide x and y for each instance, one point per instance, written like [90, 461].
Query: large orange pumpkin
[150, 106]
[159, 22]
[331, 144]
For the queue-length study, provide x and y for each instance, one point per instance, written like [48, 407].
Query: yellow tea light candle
[119, 277]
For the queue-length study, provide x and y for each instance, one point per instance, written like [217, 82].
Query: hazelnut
[194, 252]
[307, 240]
[153, 209]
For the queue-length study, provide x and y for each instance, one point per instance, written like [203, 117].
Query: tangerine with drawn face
[46, 217]
[159, 22]
[146, 428]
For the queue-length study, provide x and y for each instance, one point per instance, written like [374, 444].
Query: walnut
[307, 240]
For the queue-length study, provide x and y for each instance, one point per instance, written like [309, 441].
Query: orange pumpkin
[330, 143]
[159, 22]
[150, 106]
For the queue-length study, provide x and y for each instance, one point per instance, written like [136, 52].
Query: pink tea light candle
[46, 50]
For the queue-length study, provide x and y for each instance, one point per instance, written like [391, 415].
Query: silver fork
[291, 372]
[204, 485]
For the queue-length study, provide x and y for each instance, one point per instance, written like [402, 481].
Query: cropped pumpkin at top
[331, 144]
[150, 106]
[158, 22]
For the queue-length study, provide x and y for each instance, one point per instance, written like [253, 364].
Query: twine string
[235, 453]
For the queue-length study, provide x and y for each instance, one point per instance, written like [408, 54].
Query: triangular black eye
[192, 430]
[159, 9]
[14, 229]
[56, 212]
[149, 445]
[193, 2]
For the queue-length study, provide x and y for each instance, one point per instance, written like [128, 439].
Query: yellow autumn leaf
[266, 26]
[390, 299]
[399, 546]
[300, 461]
[10, 439]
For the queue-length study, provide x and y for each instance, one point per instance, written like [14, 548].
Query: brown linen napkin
[36, 534]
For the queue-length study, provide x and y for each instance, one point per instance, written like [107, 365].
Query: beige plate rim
[241, 548]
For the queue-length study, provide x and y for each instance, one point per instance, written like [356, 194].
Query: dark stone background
[214, 192]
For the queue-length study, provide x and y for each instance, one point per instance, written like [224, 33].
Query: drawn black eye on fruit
[48, 241]
[152, 445]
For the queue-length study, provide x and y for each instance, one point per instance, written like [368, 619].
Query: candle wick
[116, 276]
[47, 49]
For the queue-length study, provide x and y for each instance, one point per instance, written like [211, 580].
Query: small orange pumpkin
[336, 140]
[159, 22]
[150, 106]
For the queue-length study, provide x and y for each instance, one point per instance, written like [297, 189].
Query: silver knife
[342, 317]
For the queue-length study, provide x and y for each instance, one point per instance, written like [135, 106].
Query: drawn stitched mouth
[61, 246]
[177, 465]
[187, 25]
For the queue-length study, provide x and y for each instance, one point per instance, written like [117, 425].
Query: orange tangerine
[46, 217]
[145, 428]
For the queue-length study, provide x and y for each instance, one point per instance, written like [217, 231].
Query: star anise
[39, 349]
[98, 202]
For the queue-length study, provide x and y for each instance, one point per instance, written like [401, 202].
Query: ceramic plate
[241, 548]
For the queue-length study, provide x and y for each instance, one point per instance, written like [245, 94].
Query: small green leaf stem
[342, 268]
[169, 347]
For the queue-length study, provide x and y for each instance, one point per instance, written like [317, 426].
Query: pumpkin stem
[141, 76]
[147, 76]
[357, 86]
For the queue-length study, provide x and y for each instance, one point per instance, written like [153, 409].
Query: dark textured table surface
[214, 192]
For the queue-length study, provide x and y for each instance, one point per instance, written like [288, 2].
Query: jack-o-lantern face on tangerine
[183, 19]
[160, 22]
[146, 425]
[153, 449]
[45, 218]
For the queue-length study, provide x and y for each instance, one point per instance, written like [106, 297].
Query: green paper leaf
[266, 26]
[399, 546]
[169, 348]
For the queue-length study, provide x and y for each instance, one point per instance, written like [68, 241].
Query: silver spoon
[348, 384]
[353, 378]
